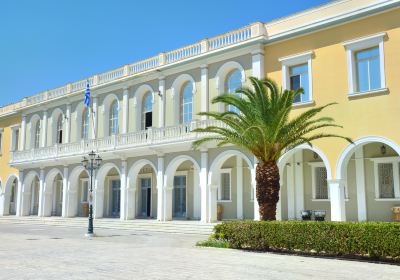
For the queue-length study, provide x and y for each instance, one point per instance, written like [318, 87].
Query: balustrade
[152, 136]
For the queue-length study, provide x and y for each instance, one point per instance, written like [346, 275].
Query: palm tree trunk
[267, 189]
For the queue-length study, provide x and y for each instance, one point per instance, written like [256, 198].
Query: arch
[5, 194]
[99, 187]
[27, 192]
[135, 169]
[222, 157]
[223, 72]
[174, 164]
[48, 191]
[55, 115]
[33, 122]
[176, 89]
[138, 102]
[107, 102]
[282, 160]
[49, 180]
[72, 191]
[348, 151]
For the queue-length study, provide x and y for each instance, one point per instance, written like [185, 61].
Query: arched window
[37, 135]
[186, 103]
[233, 82]
[147, 111]
[59, 139]
[114, 118]
[85, 123]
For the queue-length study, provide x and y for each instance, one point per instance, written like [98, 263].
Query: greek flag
[87, 95]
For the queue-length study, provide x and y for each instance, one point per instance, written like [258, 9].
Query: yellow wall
[370, 115]
[5, 169]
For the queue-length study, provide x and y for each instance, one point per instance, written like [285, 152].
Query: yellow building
[346, 51]
[9, 141]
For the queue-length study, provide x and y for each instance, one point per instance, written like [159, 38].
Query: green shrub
[212, 242]
[377, 240]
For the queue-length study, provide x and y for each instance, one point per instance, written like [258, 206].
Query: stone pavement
[50, 252]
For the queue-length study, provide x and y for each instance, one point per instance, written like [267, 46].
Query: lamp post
[91, 164]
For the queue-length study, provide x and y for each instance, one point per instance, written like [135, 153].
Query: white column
[125, 110]
[68, 124]
[131, 199]
[253, 186]
[161, 103]
[212, 199]
[360, 183]
[204, 90]
[239, 188]
[124, 197]
[23, 133]
[203, 186]
[336, 192]
[44, 129]
[95, 118]
[19, 193]
[41, 194]
[257, 61]
[196, 194]
[298, 183]
[65, 197]
[290, 189]
[160, 186]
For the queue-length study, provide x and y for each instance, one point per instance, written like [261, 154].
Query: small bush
[211, 242]
[377, 240]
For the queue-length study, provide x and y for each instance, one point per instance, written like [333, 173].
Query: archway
[53, 193]
[78, 191]
[30, 194]
[10, 193]
[304, 173]
[370, 170]
[142, 192]
[232, 186]
[108, 192]
[182, 189]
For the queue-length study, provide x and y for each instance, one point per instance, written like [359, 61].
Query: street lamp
[91, 164]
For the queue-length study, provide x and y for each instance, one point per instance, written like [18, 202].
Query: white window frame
[229, 171]
[359, 44]
[396, 177]
[314, 166]
[294, 60]
[13, 145]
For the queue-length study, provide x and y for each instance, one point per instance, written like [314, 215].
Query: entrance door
[115, 198]
[179, 196]
[35, 198]
[12, 198]
[58, 198]
[145, 186]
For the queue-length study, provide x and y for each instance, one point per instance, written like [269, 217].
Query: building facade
[143, 114]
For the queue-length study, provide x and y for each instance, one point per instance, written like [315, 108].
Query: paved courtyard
[49, 252]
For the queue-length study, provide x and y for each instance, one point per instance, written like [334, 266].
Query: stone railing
[225, 40]
[149, 137]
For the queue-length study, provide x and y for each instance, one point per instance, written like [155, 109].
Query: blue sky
[47, 43]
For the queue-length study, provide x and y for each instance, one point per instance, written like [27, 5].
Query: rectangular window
[16, 143]
[225, 191]
[298, 76]
[368, 69]
[386, 180]
[321, 186]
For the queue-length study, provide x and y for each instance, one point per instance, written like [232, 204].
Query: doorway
[179, 197]
[145, 187]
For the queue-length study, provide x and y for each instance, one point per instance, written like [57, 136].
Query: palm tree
[262, 125]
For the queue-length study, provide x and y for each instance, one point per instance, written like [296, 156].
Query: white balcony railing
[217, 42]
[152, 136]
